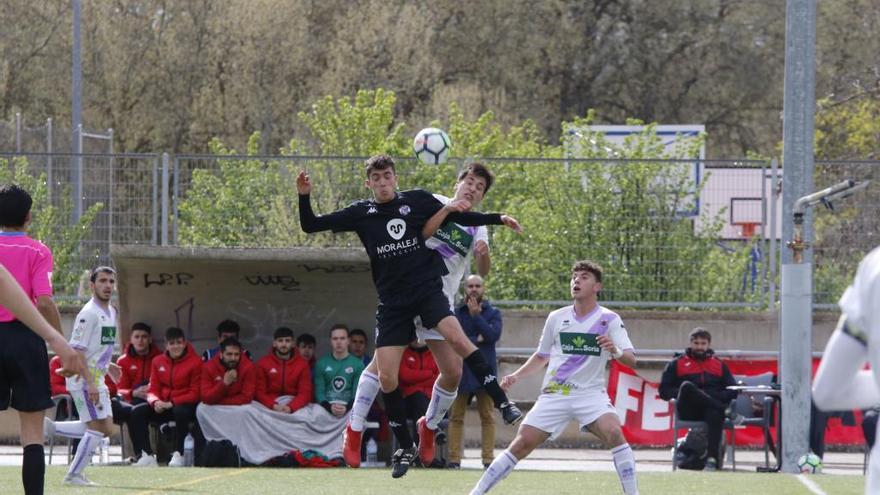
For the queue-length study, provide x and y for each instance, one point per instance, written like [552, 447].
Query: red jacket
[135, 370]
[276, 378]
[214, 391]
[59, 384]
[418, 371]
[175, 380]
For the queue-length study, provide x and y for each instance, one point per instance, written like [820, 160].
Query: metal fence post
[774, 255]
[49, 157]
[176, 195]
[18, 132]
[78, 175]
[111, 191]
[155, 239]
[165, 160]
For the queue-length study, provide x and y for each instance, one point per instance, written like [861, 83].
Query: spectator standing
[482, 324]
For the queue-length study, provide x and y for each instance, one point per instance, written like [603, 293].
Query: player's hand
[230, 377]
[511, 222]
[481, 248]
[140, 392]
[459, 205]
[508, 381]
[606, 343]
[114, 371]
[338, 410]
[303, 183]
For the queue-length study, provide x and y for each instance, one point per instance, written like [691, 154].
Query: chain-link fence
[668, 233]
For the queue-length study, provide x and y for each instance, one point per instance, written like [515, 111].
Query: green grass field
[266, 481]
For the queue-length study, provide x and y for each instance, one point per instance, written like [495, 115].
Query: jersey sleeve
[618, 334]
[482, 234]
[41, 276]
[860, 300]
[83, 330]
[343, 220]
[545, 345]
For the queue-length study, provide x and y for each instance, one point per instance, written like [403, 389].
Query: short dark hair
[228, 326]
[358, 331]
[174, 333]
[306, 338]
[480, 171]
[142, 327]
[15, 204]
[282, 332]
[101, 269]
[379, 162]
[340, 326]
[587, 266]
[229, 342]
[700, 333]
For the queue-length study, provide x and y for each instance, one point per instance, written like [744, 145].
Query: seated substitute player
[576, 343]
[229, 378]
[336, 374]
[305, 347]
[842, 382]
[94, 335]
[453, 243]
[284, 380]
[136, 363]
[225, 330]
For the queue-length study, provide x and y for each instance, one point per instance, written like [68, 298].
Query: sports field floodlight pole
[797, 325]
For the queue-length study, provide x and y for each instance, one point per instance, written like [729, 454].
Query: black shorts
[394, 321]
[24, 369]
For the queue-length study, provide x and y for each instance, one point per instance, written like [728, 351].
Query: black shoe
[401, 461]
[510, 413]
[453, 465]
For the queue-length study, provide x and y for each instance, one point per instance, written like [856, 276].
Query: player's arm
[841, 381]
[310, 223]
[13, 298]
[475, 219]
[535, 364]
[618, 345]
[438, 219]
[482, 258]
[46, 306]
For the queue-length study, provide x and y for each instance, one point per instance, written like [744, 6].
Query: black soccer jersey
[392, 235]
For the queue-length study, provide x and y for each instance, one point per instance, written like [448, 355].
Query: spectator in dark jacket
[482, 324]
[699, 380]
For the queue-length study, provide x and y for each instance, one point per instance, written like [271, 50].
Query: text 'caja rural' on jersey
[455, 244]
[392, 235]
[94, 333]
[577, 362]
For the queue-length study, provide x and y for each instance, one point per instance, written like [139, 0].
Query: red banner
[647, 419]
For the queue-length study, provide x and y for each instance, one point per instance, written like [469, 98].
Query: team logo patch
[396, 228]
[404, 210]
[372, 209]
[349, 370]
[339, 383]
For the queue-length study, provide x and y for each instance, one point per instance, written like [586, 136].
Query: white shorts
[552, 412]
[89, 411]
[426, 334]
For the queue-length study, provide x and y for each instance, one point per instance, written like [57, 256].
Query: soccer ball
[810, 464]
[432, 146]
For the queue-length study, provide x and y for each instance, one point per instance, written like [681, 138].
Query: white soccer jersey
[577, 363]
[94, 333]
[860, 303]
[455, 244]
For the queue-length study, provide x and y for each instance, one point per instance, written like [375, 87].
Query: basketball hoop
[747, 229]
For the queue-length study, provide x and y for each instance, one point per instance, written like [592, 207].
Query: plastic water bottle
[105, 450]
[372, 452]
[188, 450]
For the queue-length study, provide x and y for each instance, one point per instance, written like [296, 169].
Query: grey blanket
[261, 433]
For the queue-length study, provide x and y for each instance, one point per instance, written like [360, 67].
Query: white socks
[497, 471]
[90, 441]
[70, 429]
[367, 389]
[441, 401]
[625, 464]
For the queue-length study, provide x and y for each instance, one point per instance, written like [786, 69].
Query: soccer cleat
[48, 427]
[146, 460]
[510, 413]
[77, 480]
[426, 442]
[401, 460]
[351, 446]
[176, 460]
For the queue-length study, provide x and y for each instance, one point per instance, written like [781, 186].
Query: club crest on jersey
[396, 228]
[404, 210]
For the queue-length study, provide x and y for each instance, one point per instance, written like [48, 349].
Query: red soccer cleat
[426, 442]
[351, 447]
